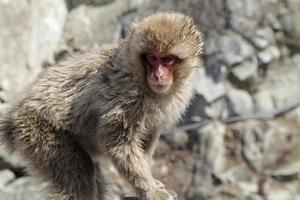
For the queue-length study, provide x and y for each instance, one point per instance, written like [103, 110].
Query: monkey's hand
[158, 194]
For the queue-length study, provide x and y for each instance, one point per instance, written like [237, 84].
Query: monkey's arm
[151, 144]
[132, 164]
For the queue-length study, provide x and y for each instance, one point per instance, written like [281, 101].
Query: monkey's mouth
[159, 87]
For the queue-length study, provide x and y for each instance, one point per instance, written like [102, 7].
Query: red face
[160, 68]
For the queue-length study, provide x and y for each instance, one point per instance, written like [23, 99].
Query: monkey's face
[167, 45]
[159, 70]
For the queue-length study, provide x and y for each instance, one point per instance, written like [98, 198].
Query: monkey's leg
[132, 163]
[55, 156]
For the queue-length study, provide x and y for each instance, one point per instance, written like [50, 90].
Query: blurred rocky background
[240, 138]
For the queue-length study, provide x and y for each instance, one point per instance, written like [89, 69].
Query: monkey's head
[167, 46]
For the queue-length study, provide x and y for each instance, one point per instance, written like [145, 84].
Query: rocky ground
[242, 141]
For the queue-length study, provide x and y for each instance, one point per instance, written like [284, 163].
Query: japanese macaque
[114, 102]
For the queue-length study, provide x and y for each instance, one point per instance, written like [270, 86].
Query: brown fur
[99, 103]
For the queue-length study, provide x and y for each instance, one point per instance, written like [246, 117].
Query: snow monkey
[113, 101]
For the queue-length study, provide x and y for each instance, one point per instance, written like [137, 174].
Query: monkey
[113, 101]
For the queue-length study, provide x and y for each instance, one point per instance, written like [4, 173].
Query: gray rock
[252, 149]
[290, 19]
[25, 188]
[263, 38]
[3, 107]
[31, 31]
[48, 18]
[239, 102]
[243, 178]
[293, 115]
[74, 3]
[234, 48]
[245, 70]
[245, 15]
[264, 101]
[279, 195]
[6, 176]
[274, 190]
[288, 172]
[207, 87]
[264, 144]
[212, 159]
[15, 37]
[255, 197]
[280, 86]
[268, 55]
[181, 139]
[84, 30]
[217, 109]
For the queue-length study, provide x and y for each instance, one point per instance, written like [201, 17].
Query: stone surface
[281, 85]
[246, 70]
[287, 172]
[268, 55]
[207, 87]
[84, 30]
[6, 176]
[30, 32]
[74, 3]
[245, 15]
[212, 158]
[23, 189]
[234, 48]
[240, 102]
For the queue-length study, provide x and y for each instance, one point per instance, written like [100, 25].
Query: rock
[84, 30]
[234, 48]
[245, 70]
[207, 87]
[216, 110]
[181, 139]
[279, 195]
[263, 145]
[273, 190]
[25, 188]
[48, 18]
[6, 176]
[211, 161]
[288, 172]
[252, 149]
[239, 102]
[293, 115]
[280, 86]
[254, 197]
[74, 3]
[241, 176]
[290, 19]
[268, 55]
[177, 139]
[31, 31]
[264, 101]
[263, 38]
[15, 37]
[3, 108]
[245, 15]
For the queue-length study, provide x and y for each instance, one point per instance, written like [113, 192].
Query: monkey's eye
[169, 60]
[152, 59]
